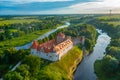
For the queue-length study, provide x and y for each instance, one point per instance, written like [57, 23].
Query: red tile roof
[47, 46]
[51, 45]
[63, 45]
[34, 45]
[60, 34]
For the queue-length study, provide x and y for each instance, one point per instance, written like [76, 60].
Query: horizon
[47, 7]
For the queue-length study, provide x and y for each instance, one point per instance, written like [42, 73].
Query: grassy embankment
[65, 67]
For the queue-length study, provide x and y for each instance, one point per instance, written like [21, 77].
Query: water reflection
[85, 70]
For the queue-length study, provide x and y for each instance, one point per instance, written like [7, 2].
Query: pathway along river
[27, 46]
[85, 70]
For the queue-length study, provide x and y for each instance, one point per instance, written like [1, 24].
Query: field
[110, 19]
[22, 40]
[12, 21]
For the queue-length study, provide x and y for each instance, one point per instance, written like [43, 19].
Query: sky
[19, 7]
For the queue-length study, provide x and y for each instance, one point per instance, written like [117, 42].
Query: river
[27, 46]
[85, 70]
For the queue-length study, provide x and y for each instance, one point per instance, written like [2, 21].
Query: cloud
[31, 1]
[88, 7]
[99, 6]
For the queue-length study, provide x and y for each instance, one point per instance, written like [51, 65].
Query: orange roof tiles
[34, 45]
[63, 45]
[60, 34]
[47, 46]
[50, 45]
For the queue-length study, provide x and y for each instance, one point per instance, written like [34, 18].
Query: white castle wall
[48, 56]
[63, 52]
[51, 56]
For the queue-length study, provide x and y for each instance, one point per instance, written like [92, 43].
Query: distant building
[53, 50]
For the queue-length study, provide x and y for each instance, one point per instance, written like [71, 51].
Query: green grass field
[108, 17]
[22, 40]
[12, 21]
[115, 23]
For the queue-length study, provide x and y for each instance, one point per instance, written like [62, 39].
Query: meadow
[23, 39]
[110, 19]
[16, 21]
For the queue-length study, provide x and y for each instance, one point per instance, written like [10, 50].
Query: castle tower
[60, 37]
[34, 47]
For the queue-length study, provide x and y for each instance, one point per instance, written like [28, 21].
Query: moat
[85, 70]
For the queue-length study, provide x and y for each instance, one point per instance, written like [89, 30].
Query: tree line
[109, 67]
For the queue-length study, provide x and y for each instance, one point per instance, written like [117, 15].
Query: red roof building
[34, 45]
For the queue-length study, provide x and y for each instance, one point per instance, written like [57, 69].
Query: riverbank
[85, 70]
[108, 68]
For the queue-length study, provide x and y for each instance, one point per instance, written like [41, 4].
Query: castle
[54, 49]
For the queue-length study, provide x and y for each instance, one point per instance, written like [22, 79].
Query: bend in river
[27, 46]
[85, 70]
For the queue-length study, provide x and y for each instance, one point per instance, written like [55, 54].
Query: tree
[40, 41]
[13, 75]
[114, 51]
[10, 55]
[8, 34]
[24, 71]
[109, 65]
[34, 62]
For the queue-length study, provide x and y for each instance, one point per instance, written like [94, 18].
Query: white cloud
[30, 1]
[95, 6]
[100, 6]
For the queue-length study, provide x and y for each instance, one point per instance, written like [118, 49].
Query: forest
[109, 67]
[33, 67]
